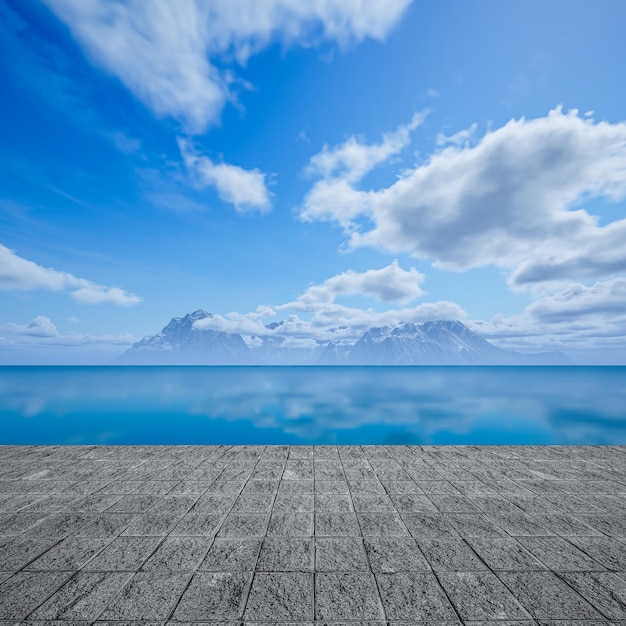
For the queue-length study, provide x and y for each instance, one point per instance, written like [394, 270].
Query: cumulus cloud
[585, 321]
[176, 57]
[40, 326]
[17, 273]
[389, 284]
[324, 320]
[244, 189]
[513, 200]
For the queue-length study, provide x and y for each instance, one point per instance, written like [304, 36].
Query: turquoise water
[313, 405]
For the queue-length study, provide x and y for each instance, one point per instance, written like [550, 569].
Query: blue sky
[340, 163]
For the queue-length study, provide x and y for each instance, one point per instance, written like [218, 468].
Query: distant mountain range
[431, 343]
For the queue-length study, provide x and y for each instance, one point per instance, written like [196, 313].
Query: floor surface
[398, 535]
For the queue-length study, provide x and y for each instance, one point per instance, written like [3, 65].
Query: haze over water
[313, 405]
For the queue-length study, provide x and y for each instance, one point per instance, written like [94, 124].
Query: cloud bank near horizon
[19, 274]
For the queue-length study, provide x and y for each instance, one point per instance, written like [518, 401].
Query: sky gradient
[341, 163]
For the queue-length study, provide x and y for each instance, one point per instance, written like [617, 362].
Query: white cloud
[234, 323]
[329, 321]
[389, 284]
[352, 159]
[458, 139]
[19, 274]
[163, 51]
[511, 200]
[605, 300]
[124, 143]
[244, 189]
[39, 342]
[40, 326]
[587, 322]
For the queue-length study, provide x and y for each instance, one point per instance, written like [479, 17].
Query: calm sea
[313, 405]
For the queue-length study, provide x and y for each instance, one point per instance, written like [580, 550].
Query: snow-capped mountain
[180, 343]
[429, 343]
[437, 343]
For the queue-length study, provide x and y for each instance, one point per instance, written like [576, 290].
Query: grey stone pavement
[337, 535]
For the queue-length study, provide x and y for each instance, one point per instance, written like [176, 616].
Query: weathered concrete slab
[304, 535]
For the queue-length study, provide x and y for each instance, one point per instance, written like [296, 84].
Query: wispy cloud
[164, 51]
[460, 138]
[244, 189]
[19, 274]
[353, 159]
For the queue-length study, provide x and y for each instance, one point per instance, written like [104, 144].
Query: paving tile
[296, 486]
[566, 524]
[343, 595]
[70, 554]
[609, 524]
[331, 487]
[123, 554]
[364, 487]
[59, 525]
[301, 503]
[381, 524]
[106, 525]
[545, 596]
[283, 596]
[20, 551]
[474, 525]
[453, 504]
[436, 487]
[286, 554]
[234, 554]
[257, 487]
[413, 596]
[428, 525]
[147, 596]
[291, 524]
[95, 503]
[213, 596]
[212, 503]
[450, 555]
[401, 487]
[243, 525]
[605, 591]
[520, 524]
[83, 597]
[480, 596]
[340, 554]
[198, 524]
[504, 554]
[559, 555]
[609, 552]
[21, 593]
[394, 554]
[413, 503]
[178, 554]
[134, 503]
[333, 503]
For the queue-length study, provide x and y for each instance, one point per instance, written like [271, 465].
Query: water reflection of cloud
[403, 405]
